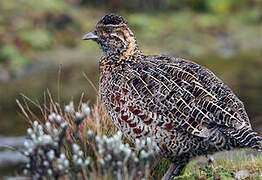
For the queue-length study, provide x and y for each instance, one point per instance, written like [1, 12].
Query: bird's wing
[186, 96]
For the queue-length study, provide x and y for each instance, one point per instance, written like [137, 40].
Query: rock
[11, 157]
[4, 75]
[12, 141]
[17, 178]
[241, 174]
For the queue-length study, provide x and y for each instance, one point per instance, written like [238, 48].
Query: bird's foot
[210, 160]
[173, 171]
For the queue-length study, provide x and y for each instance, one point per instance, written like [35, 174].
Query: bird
[182, 106]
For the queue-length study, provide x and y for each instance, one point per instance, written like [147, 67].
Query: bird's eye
[107, 30]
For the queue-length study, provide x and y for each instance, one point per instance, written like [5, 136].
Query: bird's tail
[247, 138]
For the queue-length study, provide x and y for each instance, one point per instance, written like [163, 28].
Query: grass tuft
[77, 141]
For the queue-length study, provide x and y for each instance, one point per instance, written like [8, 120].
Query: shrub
[74, 142]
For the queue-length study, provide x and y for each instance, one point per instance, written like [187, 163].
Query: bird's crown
[112, 19]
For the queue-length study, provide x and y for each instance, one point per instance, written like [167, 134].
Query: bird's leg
[210, 160]
[175, 169]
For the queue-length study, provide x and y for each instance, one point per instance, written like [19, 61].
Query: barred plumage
[181, 105]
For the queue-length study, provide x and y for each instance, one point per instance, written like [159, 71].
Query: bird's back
[182, 90]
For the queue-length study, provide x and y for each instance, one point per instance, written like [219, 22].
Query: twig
[91, 83]
[59, 82]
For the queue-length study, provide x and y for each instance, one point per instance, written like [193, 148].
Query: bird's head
[114, 36]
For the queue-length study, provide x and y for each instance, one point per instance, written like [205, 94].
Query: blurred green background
[38, 37]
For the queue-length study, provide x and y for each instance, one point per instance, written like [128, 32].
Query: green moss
[224, 168]
[37, 39]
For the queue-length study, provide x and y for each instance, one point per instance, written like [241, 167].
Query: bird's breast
[123, 108]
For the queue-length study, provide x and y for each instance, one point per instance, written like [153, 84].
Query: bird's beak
[90, 36]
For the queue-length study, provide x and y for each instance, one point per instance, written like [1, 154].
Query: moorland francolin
[181, 105]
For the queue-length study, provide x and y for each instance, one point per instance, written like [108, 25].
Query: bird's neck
[125, 54]
[123, 50]
[109, 63]
[122, 53]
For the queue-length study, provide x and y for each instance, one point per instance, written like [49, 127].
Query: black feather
[112, 19]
